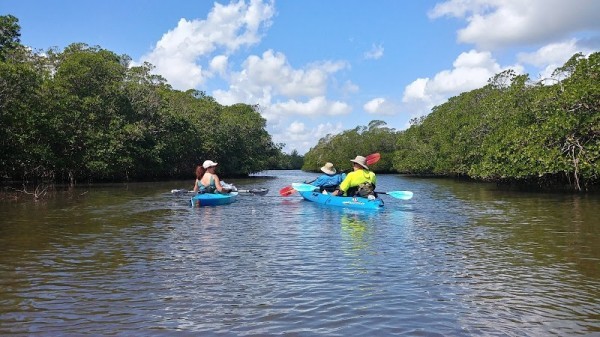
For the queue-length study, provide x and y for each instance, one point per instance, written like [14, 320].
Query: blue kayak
[340, 201]
[213, 199]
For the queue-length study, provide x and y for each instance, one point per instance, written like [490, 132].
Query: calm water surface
[459, 259]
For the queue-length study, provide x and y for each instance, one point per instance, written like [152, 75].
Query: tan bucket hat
[360, 160]
[328, 169]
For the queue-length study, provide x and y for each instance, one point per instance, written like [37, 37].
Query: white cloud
[349, 88]
[415, 90]
[496, 24]
[272, 69]
[313, 107]
[219, 64]
[271, 73]
[381, 106]
[552, 56]
[470, 70]
[296, 128]
[375, 53]
[227, 27]
[301, 138]
[280, 89]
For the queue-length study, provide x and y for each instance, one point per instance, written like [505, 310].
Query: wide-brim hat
[328, 168]
[209, 163]
[360, 160]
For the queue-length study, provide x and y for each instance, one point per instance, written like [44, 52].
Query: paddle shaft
[260, 191]
[402, 195]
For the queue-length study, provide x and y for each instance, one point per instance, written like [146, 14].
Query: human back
[360, 181]
[207, 181]
[356, 178]
[330, 179]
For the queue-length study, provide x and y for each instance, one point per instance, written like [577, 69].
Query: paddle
[254, 191]
[403, 195]
[371, 159]
[301, 187]
[286, 191]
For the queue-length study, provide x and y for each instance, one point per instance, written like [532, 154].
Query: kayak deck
[213, 199]
[340, 201]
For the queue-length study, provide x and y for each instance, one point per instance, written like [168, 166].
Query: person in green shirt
[360, 182]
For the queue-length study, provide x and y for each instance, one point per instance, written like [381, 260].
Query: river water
[459, 259]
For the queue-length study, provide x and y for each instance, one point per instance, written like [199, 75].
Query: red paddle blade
[373, 158]
[286, 191]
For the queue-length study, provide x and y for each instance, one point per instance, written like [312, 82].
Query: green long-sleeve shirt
[356, 178]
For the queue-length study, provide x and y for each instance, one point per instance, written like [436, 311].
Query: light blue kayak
[213, 199]
[340, 201]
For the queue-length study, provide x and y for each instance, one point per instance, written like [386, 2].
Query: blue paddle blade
[403, 195]
[300, 187]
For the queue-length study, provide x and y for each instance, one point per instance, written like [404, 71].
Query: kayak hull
[213, 199]
[340, 201]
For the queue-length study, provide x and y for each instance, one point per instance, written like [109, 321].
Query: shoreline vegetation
[85, 115]
[513, 131]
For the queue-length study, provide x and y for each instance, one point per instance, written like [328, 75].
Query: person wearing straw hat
[330, 180]
[360, 182]
[207, 181]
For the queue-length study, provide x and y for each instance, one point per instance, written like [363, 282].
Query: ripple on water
[455, 261]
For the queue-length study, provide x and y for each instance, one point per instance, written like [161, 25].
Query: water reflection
[354, 229]
[456, 260]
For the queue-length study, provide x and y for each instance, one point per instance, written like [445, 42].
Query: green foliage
[362, 140]
[511, 130]
[514, 130]
[10, 33]
[284, 161]
[23, 152]
[84, 115]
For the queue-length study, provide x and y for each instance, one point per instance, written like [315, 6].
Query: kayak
[213, 199]
[340, 201]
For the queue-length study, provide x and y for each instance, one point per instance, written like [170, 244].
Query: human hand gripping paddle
[289, 190]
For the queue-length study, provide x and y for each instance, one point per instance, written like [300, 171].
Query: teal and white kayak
[213, 199]
[311, 193]
[340, 201]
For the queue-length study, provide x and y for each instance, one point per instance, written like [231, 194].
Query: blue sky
[322, 67]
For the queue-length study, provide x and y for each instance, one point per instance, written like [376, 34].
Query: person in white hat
[330, 180]
[207, 181]
[361, 181]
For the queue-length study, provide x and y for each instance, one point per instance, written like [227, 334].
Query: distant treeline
[84, 114]
[510, 131]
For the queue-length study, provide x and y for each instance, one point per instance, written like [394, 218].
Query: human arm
[318, 182]
[218, 185]
[310, 182]
[196, 186]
